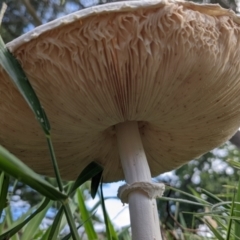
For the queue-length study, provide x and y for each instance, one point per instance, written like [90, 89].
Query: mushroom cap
[172, 66]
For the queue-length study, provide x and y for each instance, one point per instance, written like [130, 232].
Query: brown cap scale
[169, 70]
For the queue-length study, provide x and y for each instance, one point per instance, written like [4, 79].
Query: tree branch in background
[236, 139]
[32, 12]
[3, 10]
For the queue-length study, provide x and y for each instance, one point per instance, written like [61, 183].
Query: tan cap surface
[174, 67]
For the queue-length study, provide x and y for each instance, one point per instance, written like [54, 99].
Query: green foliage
[219, 214]
[15, 168]
[32, 227]
[206, 175]
[86, 217]
[18, 225]
[111, 234]
[4, 183]
[53, 231]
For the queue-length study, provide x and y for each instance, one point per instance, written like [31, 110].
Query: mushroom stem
[143, 208]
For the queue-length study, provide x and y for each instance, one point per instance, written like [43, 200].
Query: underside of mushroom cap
[173, 67]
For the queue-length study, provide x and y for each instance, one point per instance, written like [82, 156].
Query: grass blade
[124, 234]
[112, 230]
[68, 236]
[53, 231]
[88, 172]
[55, 164]
[89, 229]
[9, 222]
[182, 200]
[214, 231]
[14, 167]
[111, 234]
[14, 229]
[237, 212]
[199, 199]
[16, 73]
[4, 183]
[105, 216]
[33, 226]
[96, 180]
[70, 220]
[230, 220]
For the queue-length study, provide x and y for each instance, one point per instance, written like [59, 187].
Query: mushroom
[142, 87]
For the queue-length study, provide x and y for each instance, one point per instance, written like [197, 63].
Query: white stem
[143, 209]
